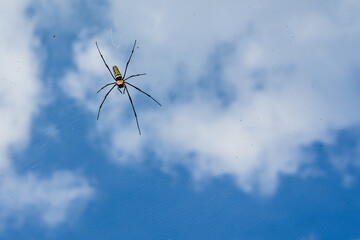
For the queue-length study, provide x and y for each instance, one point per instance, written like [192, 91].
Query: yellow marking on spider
[119, 82]
[118, 75]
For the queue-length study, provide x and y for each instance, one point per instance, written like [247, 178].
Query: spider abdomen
[118, 75]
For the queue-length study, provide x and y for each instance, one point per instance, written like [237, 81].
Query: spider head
[120, 83]
[117, 73]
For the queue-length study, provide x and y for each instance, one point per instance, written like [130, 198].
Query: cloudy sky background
[257, 136]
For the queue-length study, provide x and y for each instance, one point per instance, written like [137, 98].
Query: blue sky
[257, 136]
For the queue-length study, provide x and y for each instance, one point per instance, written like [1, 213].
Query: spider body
[117, 73]
[118, 78]
[120, 82]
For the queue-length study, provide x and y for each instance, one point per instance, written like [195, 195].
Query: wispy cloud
[50, 198]
[309, 237]
[53, 200]
[289, 72]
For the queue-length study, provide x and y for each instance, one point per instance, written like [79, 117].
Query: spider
[120, 82]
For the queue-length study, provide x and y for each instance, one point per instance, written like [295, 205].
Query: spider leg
[129, 59]
[143, 92]
[127, 91]
[136, 75]
[104, 101]
[120, 90]
[104, 61]
[105, 86]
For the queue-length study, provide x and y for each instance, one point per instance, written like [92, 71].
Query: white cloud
[52, 199]
[20, 99]
[289, 73]
[311, 236]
